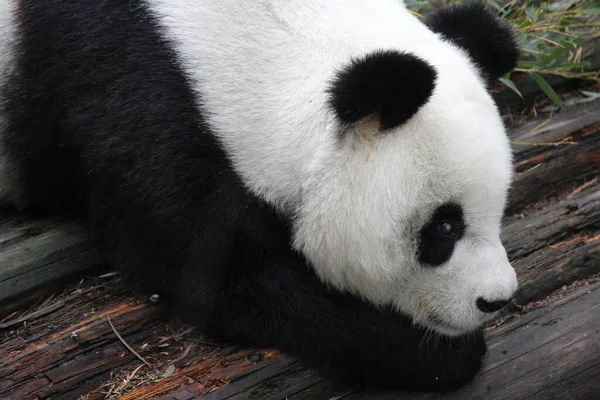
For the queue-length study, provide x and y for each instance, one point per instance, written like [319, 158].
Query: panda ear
[385, 87]
[489, 42]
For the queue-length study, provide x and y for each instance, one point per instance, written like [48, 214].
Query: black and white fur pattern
[278, 169]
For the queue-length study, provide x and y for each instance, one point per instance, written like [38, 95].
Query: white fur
[260, 69]
[7, 38]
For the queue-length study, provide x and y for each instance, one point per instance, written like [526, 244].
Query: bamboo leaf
[506, 80]
[593, 95]
[545, 86]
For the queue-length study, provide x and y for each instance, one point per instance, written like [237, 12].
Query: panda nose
[491, 306]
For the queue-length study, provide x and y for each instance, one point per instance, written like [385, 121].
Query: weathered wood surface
[555, 154]
[68, 349]
[552, 352]
[37, 253]
[555, 245]
[73, 350]
[545, 354]
[546, 351]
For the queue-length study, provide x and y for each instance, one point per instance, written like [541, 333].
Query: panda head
[405, 207]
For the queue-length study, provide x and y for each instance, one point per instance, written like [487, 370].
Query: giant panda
[325, 177]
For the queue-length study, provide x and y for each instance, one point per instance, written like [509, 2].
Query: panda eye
[439, 235]
[446, 228]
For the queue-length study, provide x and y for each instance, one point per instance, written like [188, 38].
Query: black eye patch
[438, 237]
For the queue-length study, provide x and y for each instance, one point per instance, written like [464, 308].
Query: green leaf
[550, 58]
[545, 86]
[593, 95]
[566, 21]
[541, 46]
[506, 80]
[578, 41]
[563, 66]
[530, 10]
[524, 23]
[568, 44]
[550, 108]
[527, 64]
[573, 101]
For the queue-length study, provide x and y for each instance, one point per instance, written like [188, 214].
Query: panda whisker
[423, 344]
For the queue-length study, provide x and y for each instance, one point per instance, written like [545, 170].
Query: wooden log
[35, 254]
[542, 353]
[538, 355]
[72, 351]
[554, 155]
[556, 245]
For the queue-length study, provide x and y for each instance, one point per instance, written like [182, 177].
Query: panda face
[411, 215]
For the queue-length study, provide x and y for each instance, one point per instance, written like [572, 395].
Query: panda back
[262, 70]
[99, 114]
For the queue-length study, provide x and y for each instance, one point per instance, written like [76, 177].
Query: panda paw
[453, 362]
[432, 363]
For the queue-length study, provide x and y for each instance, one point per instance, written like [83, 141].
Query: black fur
[101, 115]
[489, 42]
[389, 84]
[435, 247]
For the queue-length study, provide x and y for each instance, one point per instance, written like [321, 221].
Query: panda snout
[491, 306]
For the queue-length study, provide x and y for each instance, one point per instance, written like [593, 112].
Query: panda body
[282, 171]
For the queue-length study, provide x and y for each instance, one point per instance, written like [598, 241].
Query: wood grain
[544, 354]
[554, 155]
[556, 245]
[38, 253]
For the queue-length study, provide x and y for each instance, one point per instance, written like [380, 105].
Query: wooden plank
[583, 385]
[35, 254]
[554, 155]
[70, 352]
[553, 225]
[556, 245]
[319, 391]
[15, 229]
[542, 354]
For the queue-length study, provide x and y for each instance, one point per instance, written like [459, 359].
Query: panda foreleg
[275, 300]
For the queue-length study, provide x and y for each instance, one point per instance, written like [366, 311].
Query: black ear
[489, 42]
[388, 85]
